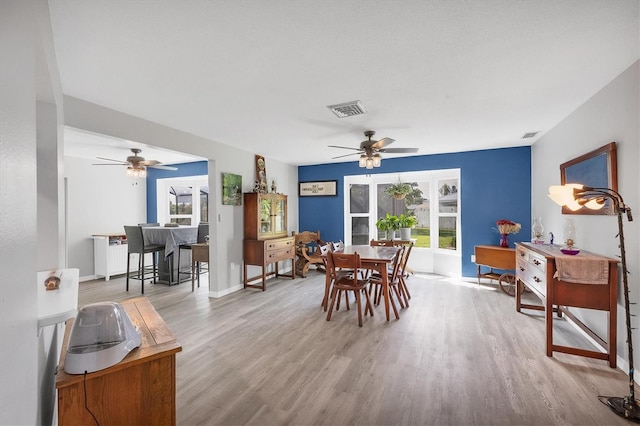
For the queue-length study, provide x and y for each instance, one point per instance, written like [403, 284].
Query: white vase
[391, 234]
[405, 234]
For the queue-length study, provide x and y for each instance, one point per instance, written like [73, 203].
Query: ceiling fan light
[363, 161]
[377, 160]
[369, 163]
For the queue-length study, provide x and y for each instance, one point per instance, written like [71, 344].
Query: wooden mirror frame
[598, 169]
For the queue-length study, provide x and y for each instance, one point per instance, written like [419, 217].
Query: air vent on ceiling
[347, 109]
[529, 135]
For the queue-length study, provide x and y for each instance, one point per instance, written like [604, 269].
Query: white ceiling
[443, 76]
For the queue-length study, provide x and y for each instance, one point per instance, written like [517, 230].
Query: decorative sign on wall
[231, 189]
[322, 188]
[597, 169]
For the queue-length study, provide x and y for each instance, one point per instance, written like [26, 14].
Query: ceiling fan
[136, 165]
[370, 150]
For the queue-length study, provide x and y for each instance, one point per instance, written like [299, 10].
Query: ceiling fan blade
[399, 150]
[382, 143]
[346, 155]
[149, 163]
[111, 159]
[161, 167]
[102, 164]
[343, 147]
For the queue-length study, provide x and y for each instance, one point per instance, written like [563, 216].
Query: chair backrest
[135, 239]
[203, 231]
[381, 243]
[307, 238]
[402, 242]
[396, 265]
[339, 260]
[149, 224]
[405, 258]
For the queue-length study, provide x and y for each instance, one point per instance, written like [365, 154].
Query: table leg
[382, 268]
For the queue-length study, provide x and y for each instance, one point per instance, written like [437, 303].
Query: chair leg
[141, 272]
[357, 293]
[368, 307]
[128, 272]
[333, 301]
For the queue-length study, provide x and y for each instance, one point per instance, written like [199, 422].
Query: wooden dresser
[536, 269]
[140, 389]
[265, 236]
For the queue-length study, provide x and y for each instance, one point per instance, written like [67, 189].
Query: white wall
[100, 200]
[226, 222]
[612, 114]
[30, 111]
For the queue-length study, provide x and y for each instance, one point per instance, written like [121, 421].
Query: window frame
[433, 177]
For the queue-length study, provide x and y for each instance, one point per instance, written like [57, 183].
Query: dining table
[375, 259]
[171, 237]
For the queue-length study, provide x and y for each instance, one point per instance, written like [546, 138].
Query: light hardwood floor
[459, 355]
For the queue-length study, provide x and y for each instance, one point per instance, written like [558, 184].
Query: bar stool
[135, 245]
[203, 231]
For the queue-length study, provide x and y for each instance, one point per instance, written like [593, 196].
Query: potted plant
[388, 224]
[406, 223]
[383, 226]
[399, 190]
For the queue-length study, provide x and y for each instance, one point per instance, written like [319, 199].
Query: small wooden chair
[393, 281]
[308, 252]
[351, 282]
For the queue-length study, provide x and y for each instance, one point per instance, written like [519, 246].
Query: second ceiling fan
[370, 150]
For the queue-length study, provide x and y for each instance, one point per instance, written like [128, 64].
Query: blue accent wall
[495, 184]
[199, 168]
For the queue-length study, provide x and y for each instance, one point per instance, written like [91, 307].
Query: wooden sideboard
[536, 269]
[140, 389]
[265, 252]
[265, 236]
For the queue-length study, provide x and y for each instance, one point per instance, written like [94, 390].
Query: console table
[537, 268]
[140, 389]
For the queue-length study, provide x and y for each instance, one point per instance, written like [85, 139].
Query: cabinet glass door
[265, 216]
[280, 219]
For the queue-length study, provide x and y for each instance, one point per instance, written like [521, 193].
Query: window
[184, 201]
[431, 191]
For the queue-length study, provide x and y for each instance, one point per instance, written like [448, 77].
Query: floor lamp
[576, 196]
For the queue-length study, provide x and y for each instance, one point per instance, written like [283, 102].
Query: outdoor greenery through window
[421, 193]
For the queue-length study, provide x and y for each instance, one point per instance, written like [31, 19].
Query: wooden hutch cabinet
[265, 235]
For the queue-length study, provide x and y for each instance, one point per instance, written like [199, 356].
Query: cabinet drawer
[277, 255]
[530, 274]
[279, 244]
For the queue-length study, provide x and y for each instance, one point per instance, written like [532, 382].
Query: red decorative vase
[504, 242]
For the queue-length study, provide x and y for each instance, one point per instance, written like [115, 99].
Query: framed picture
[316, 189]
[597, 169]
[231, 189]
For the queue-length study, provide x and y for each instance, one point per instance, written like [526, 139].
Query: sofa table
[140, 389]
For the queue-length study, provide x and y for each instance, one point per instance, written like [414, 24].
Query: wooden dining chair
[404, 272]
[393, 281]
[333, 274]
[352, 282]
[136, 245]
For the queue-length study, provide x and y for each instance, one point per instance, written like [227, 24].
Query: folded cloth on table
[582, 269]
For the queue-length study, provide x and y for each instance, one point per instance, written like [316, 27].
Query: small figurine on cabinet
[273, 186]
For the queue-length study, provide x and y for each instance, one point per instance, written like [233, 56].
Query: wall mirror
[597, 169]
